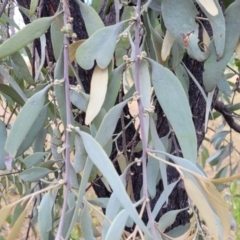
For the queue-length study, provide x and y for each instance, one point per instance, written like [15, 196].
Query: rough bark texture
[178, 198]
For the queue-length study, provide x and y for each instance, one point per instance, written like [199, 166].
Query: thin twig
[68, 122]
[141, 117]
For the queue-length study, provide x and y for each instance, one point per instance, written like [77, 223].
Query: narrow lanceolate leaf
[100, 47]
[34, 174]
[33, 159]
[3, 154]
[26, 35]
[167, 45]
[100, 159]
[91, 18]
[205, 210]
[4, 213]
[24, 121]
[33, 7]
[182, 77]
[145, 84]
[86, 224]
[97, 93]
[217, 21]
[45, 220]
[176, 108]
[213, 67]
[183, 26]
[17, 226]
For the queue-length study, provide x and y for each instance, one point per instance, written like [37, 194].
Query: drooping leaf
[13, 83]
[20, 68]
[218, 138]
[167, 45]
[24, 121]
[98, 92]
[45, 215]
[91, 18]
[34, 174]
[176, 108]
[9, 91]
[57, 35]
[100, 159]
[26, 35]
[33, 159]
[113, 87]
[86, 224]
[33, 131]
[213, 12]
[207, 213]
[17, 226]
[208, 107]
[3, 154]
[100, 47]
[33, 7]
[183, 26]
[213, 66]
[182, 77]
[224, 86]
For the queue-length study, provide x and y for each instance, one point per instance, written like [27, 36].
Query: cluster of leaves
[34, 148]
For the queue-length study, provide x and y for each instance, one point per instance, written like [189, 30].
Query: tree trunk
[178, 198]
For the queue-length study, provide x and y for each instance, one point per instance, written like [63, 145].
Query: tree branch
[227, 114]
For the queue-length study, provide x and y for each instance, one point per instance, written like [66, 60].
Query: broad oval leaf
[24, 121]
[183, 26]
[34, 174]
[91, 18]
[176, 107]
[26, 35]
[3, 154]
[100, 159]
[100, 47]
[45, 216]
[97, 93]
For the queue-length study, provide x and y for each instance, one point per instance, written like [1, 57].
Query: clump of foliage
[50, 158]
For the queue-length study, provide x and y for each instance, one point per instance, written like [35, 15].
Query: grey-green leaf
[33, 159]
[34, 174]
[26, 35]
[100, 47]
[91, 18]
[3, 154]
[213, 66]
[100, 159]
[182, 76]
[176, 107]
[45, 215]
[24, 121]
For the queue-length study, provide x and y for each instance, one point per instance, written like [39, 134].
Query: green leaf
[213, 66]
[183, 26]
[13, 83]
[11, 93]
[3, 154]
[91, 18]
[176, 107]
[67, 221]
[24, 121]
[39, 142]
[4, 213]
[33, 159]
[80, 100]
[26, 35]
[117, 226]
[100, 159]
[57, 35]
[86, 224]
[73, 177]
[20, 68]
[34, 174]
[45, 215]
[113, 87]
[218, 27]
[224, 86]
[182, 76]
[80, 156]
[34, 131]
[33, 7]
[100, 47]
